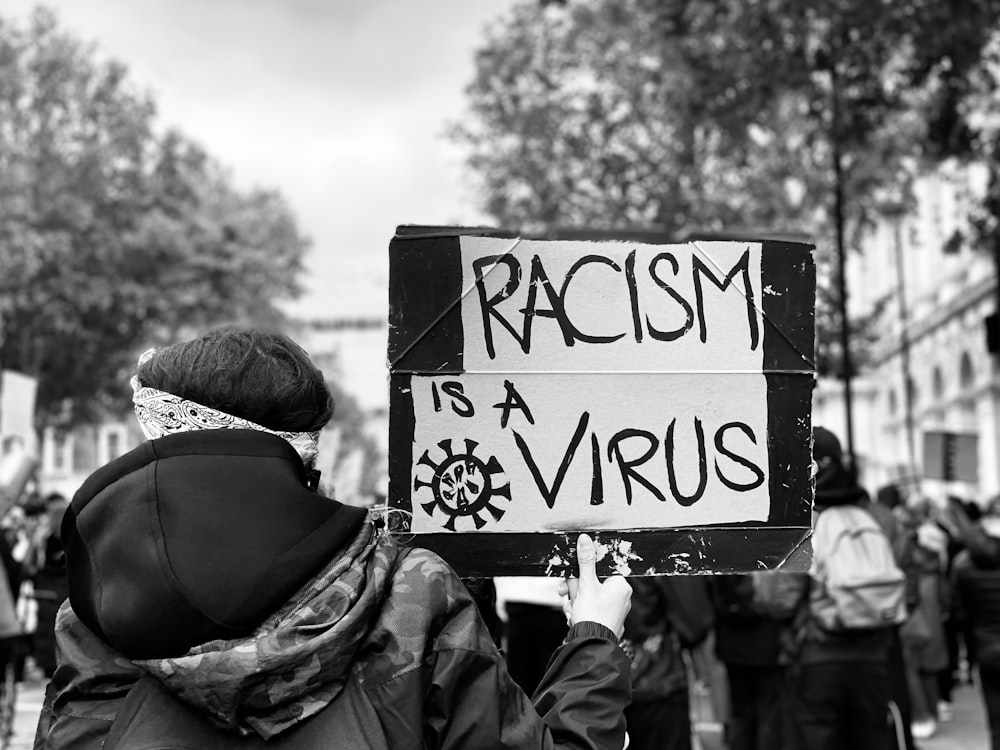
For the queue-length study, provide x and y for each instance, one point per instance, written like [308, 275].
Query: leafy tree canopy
[704, 115]
[114, 234]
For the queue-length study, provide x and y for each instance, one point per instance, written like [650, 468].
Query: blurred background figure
[923, 633]
[890, 511]
[670, 615]
[50, 586]
[533, 625]
[753, 621]
[976, 577]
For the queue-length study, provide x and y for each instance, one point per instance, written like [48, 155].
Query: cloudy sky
[339, 104]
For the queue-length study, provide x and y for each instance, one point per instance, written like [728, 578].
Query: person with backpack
[856, 596]
[218, 600]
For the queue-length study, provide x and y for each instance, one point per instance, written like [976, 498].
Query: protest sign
[17, 409]
[655, 396]
[951, 456]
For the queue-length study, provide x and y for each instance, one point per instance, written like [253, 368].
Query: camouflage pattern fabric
[292, 667]
[386, 643]
[297, 661]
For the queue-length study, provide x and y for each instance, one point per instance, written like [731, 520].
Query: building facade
[930, 371]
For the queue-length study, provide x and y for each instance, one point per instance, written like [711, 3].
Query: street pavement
[967, 731]
[29, 704]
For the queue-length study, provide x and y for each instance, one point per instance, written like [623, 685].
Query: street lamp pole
[904, 337]
[838, 219]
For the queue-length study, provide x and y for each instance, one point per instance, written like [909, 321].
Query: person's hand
[590, 600]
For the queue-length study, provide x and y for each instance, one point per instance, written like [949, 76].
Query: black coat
[977, 604]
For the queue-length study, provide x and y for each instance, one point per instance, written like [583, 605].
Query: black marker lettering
[627, 467]
[460, 404]
[488, 306]
[530, 311]
[668, 448]
[597, 485]
[720, 446]
[688, 312]
[699, 269]
[633, 295]
[550, 494]
[512, 400]
[577, 334]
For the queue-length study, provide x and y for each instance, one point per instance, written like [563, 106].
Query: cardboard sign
[17, 407]
[655, 396]
[951, 456]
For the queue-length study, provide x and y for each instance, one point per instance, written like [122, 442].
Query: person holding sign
[217, 599]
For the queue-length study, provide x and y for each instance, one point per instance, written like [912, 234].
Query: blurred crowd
[743, 648]
[34, 586]
[746, 650]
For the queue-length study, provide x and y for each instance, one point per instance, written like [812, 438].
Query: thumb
[586, 558]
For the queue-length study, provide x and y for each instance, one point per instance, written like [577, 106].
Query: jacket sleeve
[473, 702]
[85, 693]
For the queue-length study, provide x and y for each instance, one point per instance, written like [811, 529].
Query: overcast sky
[339, 104]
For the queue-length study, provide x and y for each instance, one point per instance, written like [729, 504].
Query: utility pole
[896, 212]
[838, 219]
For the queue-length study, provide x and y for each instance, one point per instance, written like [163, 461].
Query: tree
[697, 114]
[113, 234]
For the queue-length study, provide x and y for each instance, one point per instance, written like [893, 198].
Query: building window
[892, 402]
[59, 450]
[114, 445]
[966, 375]
[937, 384]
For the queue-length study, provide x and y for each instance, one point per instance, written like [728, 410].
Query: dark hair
[889, 495]
[264, 377]
[826, 445]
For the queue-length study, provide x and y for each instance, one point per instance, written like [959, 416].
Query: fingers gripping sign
[606, 603]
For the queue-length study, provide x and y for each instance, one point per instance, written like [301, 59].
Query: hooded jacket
[809, 643]
[216, 601]
[976, 605]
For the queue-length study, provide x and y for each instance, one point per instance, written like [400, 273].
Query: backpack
[857, 584]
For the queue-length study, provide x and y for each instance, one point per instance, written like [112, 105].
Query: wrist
[591, 629]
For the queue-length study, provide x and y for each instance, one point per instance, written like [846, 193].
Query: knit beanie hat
[826, 445]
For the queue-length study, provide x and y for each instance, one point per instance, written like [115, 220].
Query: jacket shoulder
[427, 609]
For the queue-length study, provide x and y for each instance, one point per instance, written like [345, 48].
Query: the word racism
[661, 267]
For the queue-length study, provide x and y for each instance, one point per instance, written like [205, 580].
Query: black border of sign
[431, 341]
[730, 549]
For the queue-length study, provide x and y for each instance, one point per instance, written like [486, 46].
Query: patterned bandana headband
[161, 413]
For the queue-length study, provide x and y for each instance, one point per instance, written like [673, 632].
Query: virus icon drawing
[463, 485]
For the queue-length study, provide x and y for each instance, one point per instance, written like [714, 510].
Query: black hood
[836, 485]
[195, 537]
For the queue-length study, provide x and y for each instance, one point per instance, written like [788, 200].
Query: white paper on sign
[506, 452]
